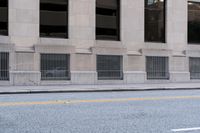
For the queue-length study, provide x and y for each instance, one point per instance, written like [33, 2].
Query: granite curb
[78, 89]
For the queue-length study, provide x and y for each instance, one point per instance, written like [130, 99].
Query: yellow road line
[96, 100]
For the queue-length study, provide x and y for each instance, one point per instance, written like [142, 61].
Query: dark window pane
[3, 17]
[107, 19]
[55, 67]
[157, 67]
[195, 68]
[4, 66]
[54, 18]
[193, 22]
[109, 67]
[155, 20]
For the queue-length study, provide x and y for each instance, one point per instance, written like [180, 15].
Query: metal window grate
[157, 67]
[109, 67]
[4, 66]
[194, 68]
[55, 67]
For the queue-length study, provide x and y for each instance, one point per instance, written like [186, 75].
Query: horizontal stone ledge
[54, 48]
[134, 72]
[25, 72]
[82, 72]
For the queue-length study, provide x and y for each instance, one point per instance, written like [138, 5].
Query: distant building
[44, 42]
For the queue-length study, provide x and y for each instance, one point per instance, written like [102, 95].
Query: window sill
[193, 43]
[160, 43]
[53, 41]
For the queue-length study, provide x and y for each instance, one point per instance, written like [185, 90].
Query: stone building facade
[25, 45]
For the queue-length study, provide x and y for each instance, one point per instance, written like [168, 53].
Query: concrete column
[82, 23]
[83, 69]
[132, 36]
[176, 28]
[24, 33]
[24, 23]
[82, 35]
[177, 39]
[132, 24]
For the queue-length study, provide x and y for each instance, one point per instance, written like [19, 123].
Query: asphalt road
[102, 112]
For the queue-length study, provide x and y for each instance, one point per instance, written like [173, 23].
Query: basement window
[109, 67]
[4, 66]
[157, 67]
[55, 67]
[194, 68]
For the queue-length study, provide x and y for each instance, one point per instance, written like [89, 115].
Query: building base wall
[179, 76]
[24, 66]
[110, 82]
[55, 82]
[83, 77]
[132, 77]
[25, 78]
[5, 83]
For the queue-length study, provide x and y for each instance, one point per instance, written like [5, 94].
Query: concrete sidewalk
[96, 88]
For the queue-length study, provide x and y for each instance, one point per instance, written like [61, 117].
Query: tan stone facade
[25, 46]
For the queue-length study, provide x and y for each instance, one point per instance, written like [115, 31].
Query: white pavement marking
[186, 129]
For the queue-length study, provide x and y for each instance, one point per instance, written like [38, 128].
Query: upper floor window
[3, 17]
[107, 19]
[193, 22]
[155, 20]
[54, 18]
